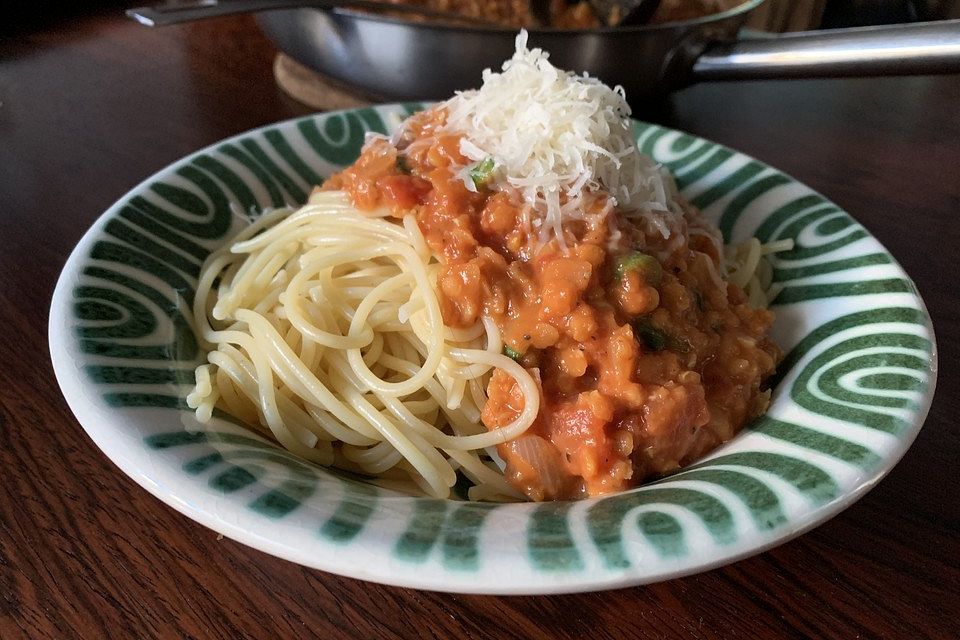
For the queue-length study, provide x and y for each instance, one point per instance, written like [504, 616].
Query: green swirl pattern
[848, 395]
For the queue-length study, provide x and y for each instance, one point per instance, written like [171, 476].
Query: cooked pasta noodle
[322, 325]
[747, 267]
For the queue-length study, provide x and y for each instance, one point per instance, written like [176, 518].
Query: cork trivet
[315, 90]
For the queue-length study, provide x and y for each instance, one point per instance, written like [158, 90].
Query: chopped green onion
[657, 340]
[648, 266]
[482, 172]
[510, 353]
[650, 336]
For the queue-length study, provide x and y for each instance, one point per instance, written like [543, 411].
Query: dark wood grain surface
[91, 108]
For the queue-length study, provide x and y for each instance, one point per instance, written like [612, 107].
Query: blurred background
[802, 15]
[775, 15]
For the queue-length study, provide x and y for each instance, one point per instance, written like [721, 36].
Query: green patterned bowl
[851, 395]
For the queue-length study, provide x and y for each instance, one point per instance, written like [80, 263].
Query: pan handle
[919, 48]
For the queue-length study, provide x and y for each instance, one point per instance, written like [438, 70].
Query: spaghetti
[323, 325]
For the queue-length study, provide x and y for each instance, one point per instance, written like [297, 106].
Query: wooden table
[92, 107]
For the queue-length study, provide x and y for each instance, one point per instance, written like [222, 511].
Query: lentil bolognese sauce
[504, 292]
[646, 358]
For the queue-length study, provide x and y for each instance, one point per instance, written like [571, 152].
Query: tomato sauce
[645, 358]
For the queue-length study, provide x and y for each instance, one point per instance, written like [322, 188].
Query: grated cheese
[558, 139]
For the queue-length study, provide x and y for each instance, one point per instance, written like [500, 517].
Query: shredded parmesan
[560, 140]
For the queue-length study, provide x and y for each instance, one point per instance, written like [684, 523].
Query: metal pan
[394, 59]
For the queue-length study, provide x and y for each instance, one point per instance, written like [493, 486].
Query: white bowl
[852, 392]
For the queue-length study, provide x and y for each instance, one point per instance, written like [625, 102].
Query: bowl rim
[70, 379]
